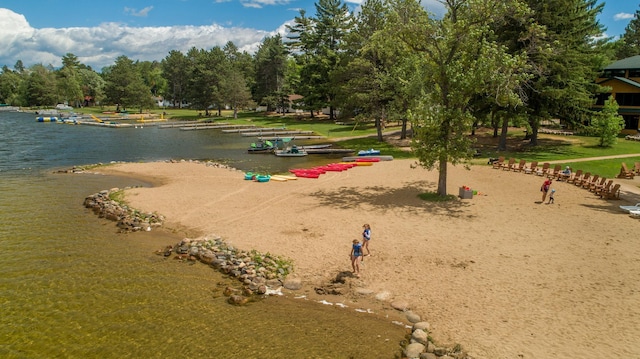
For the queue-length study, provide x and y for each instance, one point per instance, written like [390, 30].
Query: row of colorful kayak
[315, 172]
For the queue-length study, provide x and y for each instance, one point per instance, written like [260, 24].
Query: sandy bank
[502, 274]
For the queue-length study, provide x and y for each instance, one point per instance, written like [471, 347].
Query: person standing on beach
[356, 255]
[545, 188]
[551, 199]
[366, 237]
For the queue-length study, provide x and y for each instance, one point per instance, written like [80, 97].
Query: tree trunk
[502, 144]
[403, 132]
[442, 176]
[494, 124]
[534, 134]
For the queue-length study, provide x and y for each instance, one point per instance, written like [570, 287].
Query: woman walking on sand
[366, 237]
[545, 188]
[356, 255]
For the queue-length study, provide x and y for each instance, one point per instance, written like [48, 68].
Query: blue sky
[42, 31]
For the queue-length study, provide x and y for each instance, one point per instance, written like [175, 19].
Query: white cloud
[99, 46]
[623, 16]
[261, 3]
[142, 13]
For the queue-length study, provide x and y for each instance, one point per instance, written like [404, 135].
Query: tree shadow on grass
[392, 199]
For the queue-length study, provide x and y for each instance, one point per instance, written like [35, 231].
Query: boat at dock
[261, 147]
[293, 151]
[367, 158]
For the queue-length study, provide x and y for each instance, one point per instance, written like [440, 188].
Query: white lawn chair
[631, 208]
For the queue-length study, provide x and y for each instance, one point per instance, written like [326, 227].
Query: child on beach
[356, 255]
[366, 237]
[553, 192]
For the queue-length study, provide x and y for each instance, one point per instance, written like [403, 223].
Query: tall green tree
[10, 84]
[562, 84]
[175, 69]
[629, 43]
[125, 86]
[317, 42]
[41, 86]
[207, 71]
[271, 87]
[368, 83]
[458, 61]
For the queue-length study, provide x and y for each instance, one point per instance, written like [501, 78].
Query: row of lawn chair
[601, 186]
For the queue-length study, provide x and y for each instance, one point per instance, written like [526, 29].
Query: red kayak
[372, 159]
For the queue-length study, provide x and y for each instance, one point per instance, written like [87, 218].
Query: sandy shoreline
[501, 274]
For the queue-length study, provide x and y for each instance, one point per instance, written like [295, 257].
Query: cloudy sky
[42, 31]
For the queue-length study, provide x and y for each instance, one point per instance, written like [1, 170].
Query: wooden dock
[276, 133]
[213, 127]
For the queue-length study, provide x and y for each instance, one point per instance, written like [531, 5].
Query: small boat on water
[367, 158]
[293, 151]
[370, 152]
[261, 147]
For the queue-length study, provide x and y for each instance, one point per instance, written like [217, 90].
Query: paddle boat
[370, 152]
[293, 151]
[262, 178]
[261, 147]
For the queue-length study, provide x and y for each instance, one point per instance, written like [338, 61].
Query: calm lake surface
[71, 287]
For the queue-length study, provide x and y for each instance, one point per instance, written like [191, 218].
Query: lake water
[71, 287]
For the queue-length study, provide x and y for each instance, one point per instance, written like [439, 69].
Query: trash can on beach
[466, 193]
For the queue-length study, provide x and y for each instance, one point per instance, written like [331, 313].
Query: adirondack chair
[532, 167]
[543, 170]
[624, 172]
[612, 193]
[604, 187]
[575, 177]
[585, 178]
[565, 174]
[637, 168]
[508, 166]
[520, 166]
[592, 181]
[498, 164]
[555, 172]
[596, 184]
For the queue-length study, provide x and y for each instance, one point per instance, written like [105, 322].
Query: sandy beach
[502, 274]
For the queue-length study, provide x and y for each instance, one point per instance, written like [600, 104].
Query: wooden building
[623, 78]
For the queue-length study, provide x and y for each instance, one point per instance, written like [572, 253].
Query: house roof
[625, 64]
[622, 79]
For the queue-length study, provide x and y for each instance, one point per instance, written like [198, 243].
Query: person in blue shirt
[356, 255]
[366, 237]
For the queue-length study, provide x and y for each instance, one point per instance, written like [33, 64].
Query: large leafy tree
[459, 60]
[41, 86]
[125, 86]
[608, 123]
[93, 86]
[10, 85]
